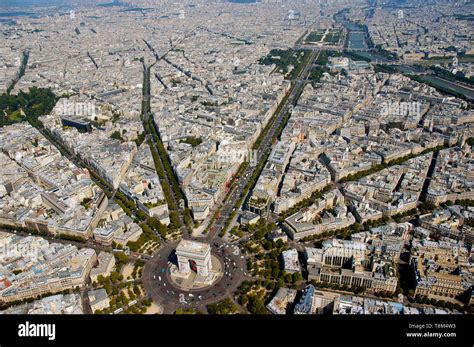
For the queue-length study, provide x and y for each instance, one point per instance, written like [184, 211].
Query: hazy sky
[13, 3]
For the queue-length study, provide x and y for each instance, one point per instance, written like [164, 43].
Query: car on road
[159, 278]
[154, 277]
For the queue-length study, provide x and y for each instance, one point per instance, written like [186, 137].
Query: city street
[157, 282]
[265, 146]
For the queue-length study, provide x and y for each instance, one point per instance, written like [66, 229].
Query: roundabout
[175, 278]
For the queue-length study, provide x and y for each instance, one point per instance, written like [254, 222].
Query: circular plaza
[191, 274]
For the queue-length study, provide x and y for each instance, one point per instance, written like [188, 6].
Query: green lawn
[333, 36]
[11, 118]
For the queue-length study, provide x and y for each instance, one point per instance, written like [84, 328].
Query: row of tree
[384, 165]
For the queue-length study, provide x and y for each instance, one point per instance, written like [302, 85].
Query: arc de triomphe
[198, 252]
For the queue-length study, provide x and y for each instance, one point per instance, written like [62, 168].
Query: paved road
[168, 295]
[265, 146]
[146, 114]
[86, 307]
[88, 244]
